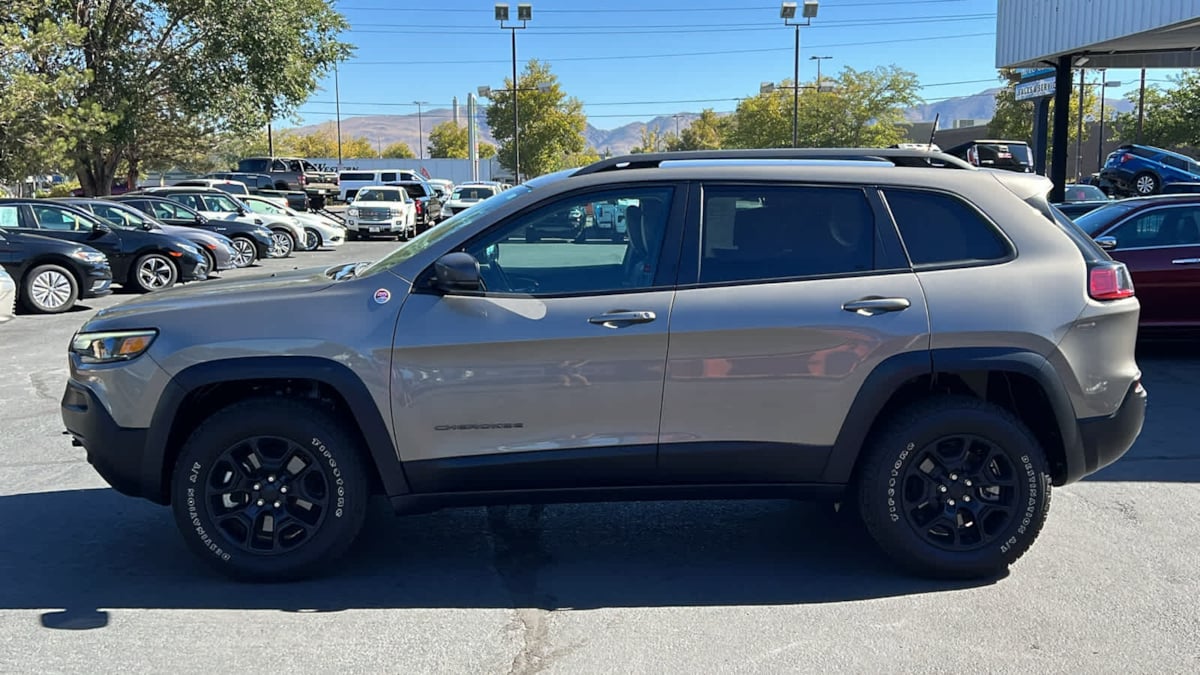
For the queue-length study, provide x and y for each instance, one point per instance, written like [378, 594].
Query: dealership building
[1048, 40]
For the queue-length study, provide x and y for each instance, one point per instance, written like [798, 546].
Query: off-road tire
[334, 458]
[884, 486]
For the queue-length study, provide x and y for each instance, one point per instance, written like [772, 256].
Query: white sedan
[318, 230]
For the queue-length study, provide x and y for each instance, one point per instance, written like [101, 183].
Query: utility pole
[1141, 105]
[337, 102]
[1079, 132]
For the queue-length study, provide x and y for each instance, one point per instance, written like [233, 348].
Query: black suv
[141, 261]
[429, 204]
[250, 242]
[51, 275]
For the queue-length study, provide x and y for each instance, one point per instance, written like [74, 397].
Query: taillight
[1109, 281]
[1127, 157]
[420, 208]
[302, 179]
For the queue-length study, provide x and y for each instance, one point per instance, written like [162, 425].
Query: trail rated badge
[382, 296]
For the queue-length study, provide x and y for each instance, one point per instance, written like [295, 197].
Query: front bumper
[392, 226]
[1106, 439]
[97, 282]
[118, 454]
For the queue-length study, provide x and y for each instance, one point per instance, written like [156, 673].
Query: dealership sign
[1035, 84]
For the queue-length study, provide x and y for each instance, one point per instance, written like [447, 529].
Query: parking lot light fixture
[787, 12]
[420, 130]
[524, 15]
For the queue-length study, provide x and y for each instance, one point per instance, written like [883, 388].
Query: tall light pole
[524, 15]
[787, 12]
[1104, 84]
[1141, 105]
[420, 130]
[676, 125]
[1079, 63]
[819, 59]
[337, 102]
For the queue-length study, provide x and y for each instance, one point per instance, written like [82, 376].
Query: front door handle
[1186, 261]
[620, 318]
[876, 305]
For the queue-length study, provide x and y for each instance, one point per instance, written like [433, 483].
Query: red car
[1158, 239]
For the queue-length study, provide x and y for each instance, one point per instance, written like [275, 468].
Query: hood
[237, 300]
[381, 205]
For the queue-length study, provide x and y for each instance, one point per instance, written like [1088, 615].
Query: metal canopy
[1111, 33]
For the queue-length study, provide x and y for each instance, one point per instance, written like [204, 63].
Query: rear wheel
[1145, 184]
[270, 489]
[954, 487]
[244, 251]
[282, 244]
[49, 289]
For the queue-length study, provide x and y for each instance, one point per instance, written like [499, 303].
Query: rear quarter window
[939, 229]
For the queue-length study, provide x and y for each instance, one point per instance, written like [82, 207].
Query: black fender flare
[337, 376]
[894, 372]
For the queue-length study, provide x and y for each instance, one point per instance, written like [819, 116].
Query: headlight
[112, 346]
[188, 249]
[395, 211]
[352, 212]
[89, 256]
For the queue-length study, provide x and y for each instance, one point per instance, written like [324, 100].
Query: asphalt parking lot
[94, 581]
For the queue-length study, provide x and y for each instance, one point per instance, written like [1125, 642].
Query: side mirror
[99, 230]
[457, 272]
[1106, 243]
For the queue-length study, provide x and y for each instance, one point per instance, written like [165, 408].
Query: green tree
[357, 147]
[399, 150]
[863, 109]
[451, 141]
[706, 132]
[653, 140]
[1171, 116]
[111, 77]
[552, 123]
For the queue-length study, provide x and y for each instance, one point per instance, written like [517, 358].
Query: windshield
[1084, 193]
[467, 193]
[263, 207]
[219, 203]
[445, 229]
[378, 195]
[1095, 221]
[232, 188]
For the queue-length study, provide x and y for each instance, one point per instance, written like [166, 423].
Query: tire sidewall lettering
[894, 479]
[339, 482]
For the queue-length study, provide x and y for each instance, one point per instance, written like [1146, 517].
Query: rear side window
[939, 229]
[252, 165]
[9, 217]
[357, 176]
[761, 232]
[388, 176]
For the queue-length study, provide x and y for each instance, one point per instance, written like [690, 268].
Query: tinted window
[378, 195]
[358, 176]
[414, 191]
[192, 201]
[233, 188]
[1160, 227]
[773, 232]
[939, 229]
[1083, 193]
[388, 176]
[1175, 162]
[60, 220]
[253, 165]
[118, 217]
[562, 248]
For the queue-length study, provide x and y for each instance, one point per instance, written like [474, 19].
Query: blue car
[1143, 170]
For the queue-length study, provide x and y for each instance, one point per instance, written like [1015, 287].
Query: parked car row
[58, 251]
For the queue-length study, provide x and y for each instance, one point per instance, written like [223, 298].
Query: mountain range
[383, 130]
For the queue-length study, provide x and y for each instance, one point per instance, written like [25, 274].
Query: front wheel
[244, 252]
[270, 489]
[312, 239]
[282, 244]
[954, 487]
[153, 272]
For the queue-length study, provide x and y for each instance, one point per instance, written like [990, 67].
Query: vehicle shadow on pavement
[1166, 451]
[89, 550]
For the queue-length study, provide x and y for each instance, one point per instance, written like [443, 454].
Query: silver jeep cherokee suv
[892, 330]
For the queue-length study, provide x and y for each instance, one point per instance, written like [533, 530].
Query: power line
[673, 29]
[625, 57]
[643, 10]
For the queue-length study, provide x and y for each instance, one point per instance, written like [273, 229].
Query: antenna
[933, 131]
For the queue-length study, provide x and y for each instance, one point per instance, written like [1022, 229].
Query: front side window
[561, 248]
[1161, 227]
[50, 218]
[118, 217]
[219, 203]
[939, 229]
[263, 207]
[761, 232]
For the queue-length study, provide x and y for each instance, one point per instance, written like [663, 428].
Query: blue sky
[630, 60]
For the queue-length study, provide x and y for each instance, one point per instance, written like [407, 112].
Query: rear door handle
[1186, 261]
[875, 305]
[619, 318]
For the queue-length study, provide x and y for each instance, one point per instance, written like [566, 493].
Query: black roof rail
[897, 156]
